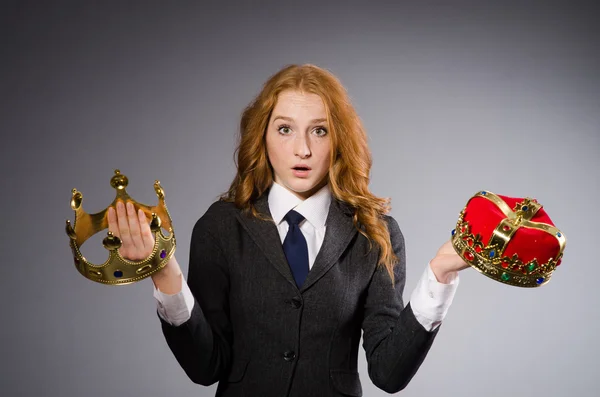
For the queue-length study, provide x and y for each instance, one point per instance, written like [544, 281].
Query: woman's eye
[284, 129]
[321, 131]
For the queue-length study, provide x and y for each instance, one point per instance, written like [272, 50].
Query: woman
[296, 259]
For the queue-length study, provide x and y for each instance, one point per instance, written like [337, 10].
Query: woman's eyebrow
[291, 119]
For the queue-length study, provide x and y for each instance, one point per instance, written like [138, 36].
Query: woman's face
[298, 142]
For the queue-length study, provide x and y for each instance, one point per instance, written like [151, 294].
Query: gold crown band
[117, 270]
[493, 270]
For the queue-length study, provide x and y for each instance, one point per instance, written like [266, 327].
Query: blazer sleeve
[395, 342]
[202, 345]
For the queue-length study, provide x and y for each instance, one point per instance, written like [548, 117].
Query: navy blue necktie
[295, 248]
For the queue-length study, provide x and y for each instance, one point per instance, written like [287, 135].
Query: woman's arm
[202, 345]
[394, 341]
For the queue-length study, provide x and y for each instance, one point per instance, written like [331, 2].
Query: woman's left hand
[447, 263]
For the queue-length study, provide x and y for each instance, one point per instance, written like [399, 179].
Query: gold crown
[118, 270]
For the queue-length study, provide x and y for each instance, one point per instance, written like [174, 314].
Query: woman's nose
[301, 146]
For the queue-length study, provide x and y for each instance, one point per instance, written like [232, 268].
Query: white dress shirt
[430, 299]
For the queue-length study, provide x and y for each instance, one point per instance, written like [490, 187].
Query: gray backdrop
[455, 98]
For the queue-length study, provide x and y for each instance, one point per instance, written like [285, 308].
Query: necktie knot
[293, 218]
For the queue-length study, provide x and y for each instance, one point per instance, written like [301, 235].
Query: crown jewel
[118, 270]
[509, 240]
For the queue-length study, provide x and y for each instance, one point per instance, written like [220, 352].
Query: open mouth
[301, 171]
[301, 168]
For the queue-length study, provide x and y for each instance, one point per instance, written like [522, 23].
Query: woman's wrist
[442, 274]
[168, 279]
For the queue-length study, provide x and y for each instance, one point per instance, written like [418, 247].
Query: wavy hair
[350, 163]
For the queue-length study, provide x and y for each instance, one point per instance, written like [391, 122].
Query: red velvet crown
[511, 240]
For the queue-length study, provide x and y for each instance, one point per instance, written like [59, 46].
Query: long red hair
[350, 164]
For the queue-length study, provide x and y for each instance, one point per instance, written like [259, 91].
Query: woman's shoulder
[390, 220]
[393, 227]
[220, 216]
[222, 208]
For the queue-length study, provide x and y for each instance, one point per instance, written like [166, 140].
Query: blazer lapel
[338, 233]
[266, 237]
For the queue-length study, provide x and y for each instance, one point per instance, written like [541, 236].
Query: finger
[112, 222]
[113, 226]
[134, 228]
[147, 236]
[124, 227]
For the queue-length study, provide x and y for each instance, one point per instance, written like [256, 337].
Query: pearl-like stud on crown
[118, 270]
[510, 240]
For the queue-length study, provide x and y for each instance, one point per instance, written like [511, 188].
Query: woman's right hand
[133, 229]
[137, 243]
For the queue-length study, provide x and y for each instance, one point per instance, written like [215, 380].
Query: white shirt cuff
[175, 309]
[431, 299]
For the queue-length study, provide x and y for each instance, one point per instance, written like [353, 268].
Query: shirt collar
[314, 209]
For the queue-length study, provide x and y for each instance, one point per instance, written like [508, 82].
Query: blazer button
[296, 302]
[289, 355]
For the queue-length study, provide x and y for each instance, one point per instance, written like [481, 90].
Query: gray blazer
[257, 334]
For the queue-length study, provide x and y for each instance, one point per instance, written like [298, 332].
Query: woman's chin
[301, 188]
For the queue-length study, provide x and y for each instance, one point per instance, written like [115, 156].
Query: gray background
[455, 98]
